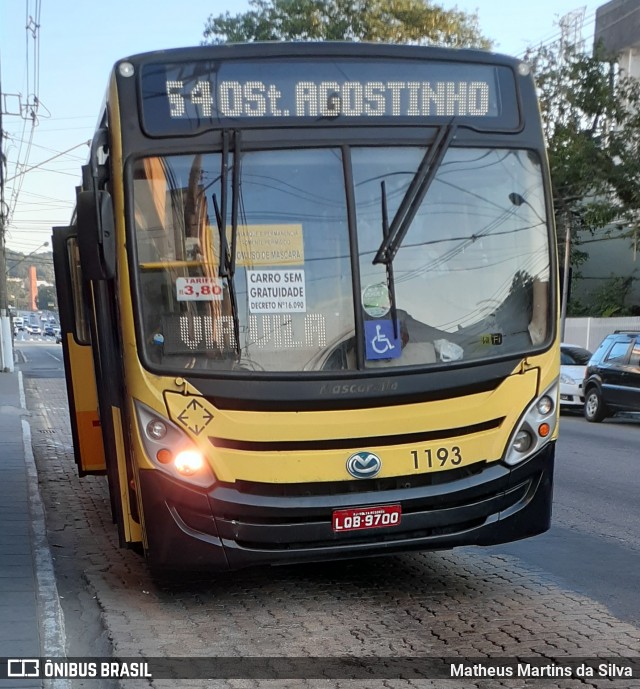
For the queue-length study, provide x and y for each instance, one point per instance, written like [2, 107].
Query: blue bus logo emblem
[364, 465]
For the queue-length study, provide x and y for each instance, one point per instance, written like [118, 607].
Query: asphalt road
[594, 544]
[39, 356]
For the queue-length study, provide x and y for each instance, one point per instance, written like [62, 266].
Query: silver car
[573, 365]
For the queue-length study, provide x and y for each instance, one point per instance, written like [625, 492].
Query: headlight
[170, 449]
[188, 462]
[523, 441]
[535, 428]
[568, 380]
[156, 429]
[545, 405]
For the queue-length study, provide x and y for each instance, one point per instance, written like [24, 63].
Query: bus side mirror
[96, 235]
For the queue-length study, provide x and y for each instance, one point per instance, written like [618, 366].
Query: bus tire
[595, 410]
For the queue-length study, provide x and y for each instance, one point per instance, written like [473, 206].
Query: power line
[588, 20]
[10, 137]
[33, 167]
[555, 37]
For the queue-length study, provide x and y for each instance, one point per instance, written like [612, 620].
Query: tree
[19, 264]
[47, 298]
[390, 21]
[607, 300]
[591, 118]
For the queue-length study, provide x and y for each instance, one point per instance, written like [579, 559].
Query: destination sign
[190, 96]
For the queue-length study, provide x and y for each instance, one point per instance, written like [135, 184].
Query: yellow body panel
[85, 396]
[450, 417]
[132, 529]
[90, 440]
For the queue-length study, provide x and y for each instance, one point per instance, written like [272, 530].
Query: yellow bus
[309, 303]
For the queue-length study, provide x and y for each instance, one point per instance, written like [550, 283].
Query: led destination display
[189, 96]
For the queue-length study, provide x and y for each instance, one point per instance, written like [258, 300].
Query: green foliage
[591, 118]
[18, 265]
[606, 301]
[390, 21]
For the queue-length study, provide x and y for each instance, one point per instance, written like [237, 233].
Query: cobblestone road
[467, 602]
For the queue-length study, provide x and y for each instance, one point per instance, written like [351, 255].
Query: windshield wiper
[221, 213]
[227, 267]
[414, 195]
[235, 199]
[391, 285]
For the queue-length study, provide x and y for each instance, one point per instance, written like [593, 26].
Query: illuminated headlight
[170, 449]
[535, 427]
[188, 462]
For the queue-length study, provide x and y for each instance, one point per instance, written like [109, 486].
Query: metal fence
[589, 332]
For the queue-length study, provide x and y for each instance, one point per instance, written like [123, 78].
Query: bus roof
[322, 49]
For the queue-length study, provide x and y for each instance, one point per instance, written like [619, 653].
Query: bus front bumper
[234, 526]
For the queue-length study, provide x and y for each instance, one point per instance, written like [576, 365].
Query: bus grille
[290, 490]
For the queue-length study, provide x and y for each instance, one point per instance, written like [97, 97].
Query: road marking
[53, 356]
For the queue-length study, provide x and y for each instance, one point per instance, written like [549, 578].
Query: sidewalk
[30, 616]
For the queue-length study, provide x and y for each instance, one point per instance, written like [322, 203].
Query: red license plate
[358, 518]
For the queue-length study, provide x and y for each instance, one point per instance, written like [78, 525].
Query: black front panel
[244, 524]
[187, 97]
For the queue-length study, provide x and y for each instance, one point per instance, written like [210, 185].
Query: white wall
[589, 332]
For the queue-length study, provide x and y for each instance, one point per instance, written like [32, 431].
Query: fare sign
[199, 289]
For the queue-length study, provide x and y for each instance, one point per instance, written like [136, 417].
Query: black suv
[612, 379]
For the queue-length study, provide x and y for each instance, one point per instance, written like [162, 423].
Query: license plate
[358, 518]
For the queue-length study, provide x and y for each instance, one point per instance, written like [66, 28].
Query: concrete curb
[53, 638]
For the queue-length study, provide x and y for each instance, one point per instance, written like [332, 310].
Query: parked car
[612, 381]
[573, 365]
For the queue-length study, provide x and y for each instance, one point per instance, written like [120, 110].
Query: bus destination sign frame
[188, 97]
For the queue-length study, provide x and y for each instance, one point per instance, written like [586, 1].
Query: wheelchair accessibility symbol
[381, 343]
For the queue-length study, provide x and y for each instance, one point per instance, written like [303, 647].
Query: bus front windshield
[302, 293]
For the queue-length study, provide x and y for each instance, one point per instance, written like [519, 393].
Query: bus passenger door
[88, 442]
[93, 380]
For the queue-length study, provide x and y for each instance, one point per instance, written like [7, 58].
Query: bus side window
[81, 325]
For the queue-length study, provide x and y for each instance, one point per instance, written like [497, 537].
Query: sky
[80, 40]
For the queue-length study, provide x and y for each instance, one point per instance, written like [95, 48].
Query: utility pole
[6, 339]
[3, 208]
[565, 279]
[30, 110]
